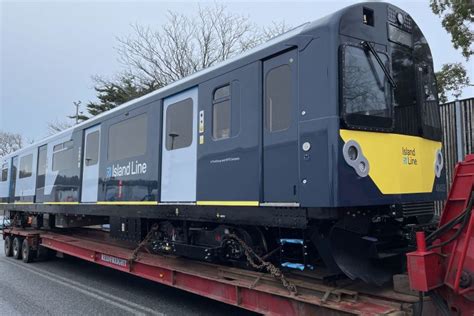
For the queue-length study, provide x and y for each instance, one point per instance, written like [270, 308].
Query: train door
[179, 149]
[90, 165]
[280, 128]
[13, 177]
[41, 172]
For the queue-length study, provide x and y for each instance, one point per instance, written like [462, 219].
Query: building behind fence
[457, 120]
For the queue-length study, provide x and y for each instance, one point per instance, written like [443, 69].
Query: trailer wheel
[8, 246]
[26, 252]
[17, 247]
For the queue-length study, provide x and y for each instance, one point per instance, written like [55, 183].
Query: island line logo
[130, 169]
[409, 156]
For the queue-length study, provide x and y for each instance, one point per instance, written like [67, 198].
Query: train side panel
[129, 156]
[63, 179]
[229, 149]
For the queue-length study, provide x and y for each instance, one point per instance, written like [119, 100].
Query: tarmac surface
[70, 286]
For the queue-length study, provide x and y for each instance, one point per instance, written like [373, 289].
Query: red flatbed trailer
[250, 290]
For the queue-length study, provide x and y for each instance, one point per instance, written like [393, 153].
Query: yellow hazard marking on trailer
[127, 203]
[61, 203]
[398, 164]
[228, 203]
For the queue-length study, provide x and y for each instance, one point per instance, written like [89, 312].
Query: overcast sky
[50, 50]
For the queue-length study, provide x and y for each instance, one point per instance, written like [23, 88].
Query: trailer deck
[251, 290]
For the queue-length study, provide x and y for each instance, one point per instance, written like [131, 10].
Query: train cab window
[221, 113]
[429, 104]
[127, 138]
[63, 156]
[4, 175]
[179, 125]
[366, 90]
[92, 149]
[405, 105]
[278, 99]
[26, 166]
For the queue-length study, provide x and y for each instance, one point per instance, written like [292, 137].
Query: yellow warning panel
[398, 164]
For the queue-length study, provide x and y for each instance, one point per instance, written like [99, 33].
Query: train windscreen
[367, 93]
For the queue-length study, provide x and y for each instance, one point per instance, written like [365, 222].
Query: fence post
[459, 131]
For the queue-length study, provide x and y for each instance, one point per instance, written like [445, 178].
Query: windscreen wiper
[382, 65]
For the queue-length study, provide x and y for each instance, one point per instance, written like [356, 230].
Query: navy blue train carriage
[324, 142]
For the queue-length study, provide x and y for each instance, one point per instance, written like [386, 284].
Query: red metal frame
[207, 280]
[202, 279]
[444, 268]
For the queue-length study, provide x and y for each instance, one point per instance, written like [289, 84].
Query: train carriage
[326, 137]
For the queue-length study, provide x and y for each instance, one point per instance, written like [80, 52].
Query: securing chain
[262, 264]
[143, 243]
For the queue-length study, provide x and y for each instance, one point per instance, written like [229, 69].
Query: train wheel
[26, 252]
[17, 248]
[8, 246]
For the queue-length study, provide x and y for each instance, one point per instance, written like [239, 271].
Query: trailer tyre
[26, 252]
[17, 242]
[8, 247]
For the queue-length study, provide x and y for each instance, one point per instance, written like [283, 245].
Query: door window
[42, 161]
[92, 148]
[179, 125]
[221, 113]
[278, 99]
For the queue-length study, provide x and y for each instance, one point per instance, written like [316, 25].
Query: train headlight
[352, 152]
[362, 166]
[439, 163]
[355, 158]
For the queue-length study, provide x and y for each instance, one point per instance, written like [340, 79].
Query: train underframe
[367, 244]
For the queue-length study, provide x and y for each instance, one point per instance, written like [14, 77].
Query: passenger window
[221, 113]
[127, 138]
[4, 176]
[92, 149]
[26, 166]
[278, 99]
[179, 125]
[63, 156]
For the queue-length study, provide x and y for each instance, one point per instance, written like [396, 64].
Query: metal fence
[457, 120]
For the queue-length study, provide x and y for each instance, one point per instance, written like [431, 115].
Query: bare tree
[187, 44]
[58, 126]
[184, 45]
[9, 142]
